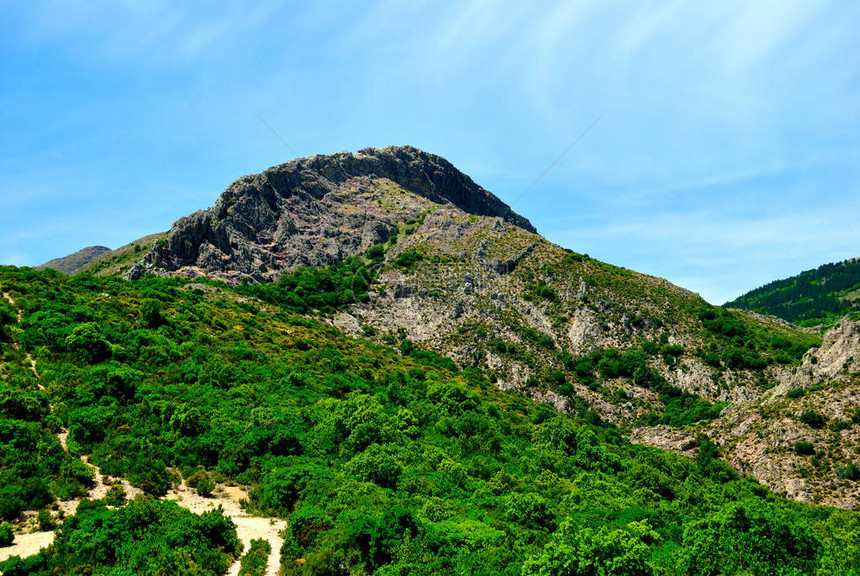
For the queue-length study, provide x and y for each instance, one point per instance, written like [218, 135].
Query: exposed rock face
[315, 212]
[839, 353]
[74, 262]
[761, 428]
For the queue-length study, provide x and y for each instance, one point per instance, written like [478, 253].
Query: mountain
[74, 262]
[317, 211]
[456, 272]
[377, 350]
[815, 297]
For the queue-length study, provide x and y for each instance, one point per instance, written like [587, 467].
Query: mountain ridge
[816, 297]
[76, 260]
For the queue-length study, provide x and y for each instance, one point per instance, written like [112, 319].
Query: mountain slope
[488, 292]
[74, 262]
[383, 460]
[813, 297]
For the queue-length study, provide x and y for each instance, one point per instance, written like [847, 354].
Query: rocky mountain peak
[316, 211]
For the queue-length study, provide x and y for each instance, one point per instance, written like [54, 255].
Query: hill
[383, 460]
[472, 281]
[387, 356]
[812, 298]
[74, 262]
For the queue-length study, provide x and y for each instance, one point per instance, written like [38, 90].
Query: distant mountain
[814, 297]
[74, 262]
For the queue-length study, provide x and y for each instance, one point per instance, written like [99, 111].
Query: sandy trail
[228, 498]
[20, 314]
[30, 543]
[247, 527]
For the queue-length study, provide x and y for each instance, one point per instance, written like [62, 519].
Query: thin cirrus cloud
[729, 151]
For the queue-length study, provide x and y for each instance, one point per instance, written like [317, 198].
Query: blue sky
[729, 156]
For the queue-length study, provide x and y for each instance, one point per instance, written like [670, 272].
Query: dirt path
[247, 527]
[30, 543]
[229, 498]
[20, 314]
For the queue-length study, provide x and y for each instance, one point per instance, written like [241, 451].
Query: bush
[376, 252]
[804, 448]
[87, 342]
[205, 486]
[150, 313]
[584, 552]
[115, 496]
[7, 535]
[850, 472]
[813, 419]
[530, 510]
[254, 561]
[46, 522]
[408, 259]
[749, 538]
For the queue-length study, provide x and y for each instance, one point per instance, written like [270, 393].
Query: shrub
[254, 561]
[804, 448]
[850, 472]
[150, 313]
[376, 252]
[749, 538]
[408, 259]
[115, 496]
[205, 486]
[530, 510]
[582, 551]
[87, 342]
[813, 419]
[7, 535]
[46, 522]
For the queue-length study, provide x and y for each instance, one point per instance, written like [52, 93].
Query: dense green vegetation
[7, 535]
[385, 461]
[681, 408]
[819, 296]
[736, 344]
[324, 290]
[146, 537]
[254, 561]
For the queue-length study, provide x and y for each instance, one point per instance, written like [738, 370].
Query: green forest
[814, 297]
[386, 460]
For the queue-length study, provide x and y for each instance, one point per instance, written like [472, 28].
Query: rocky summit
[314, 212]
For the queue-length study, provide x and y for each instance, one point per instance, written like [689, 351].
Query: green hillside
[814, 297]
[385, 459]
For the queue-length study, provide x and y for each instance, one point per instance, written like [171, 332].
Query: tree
[87, 342]
[7, 536]
[749, 537]
[574, 551]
